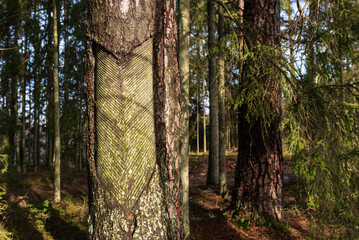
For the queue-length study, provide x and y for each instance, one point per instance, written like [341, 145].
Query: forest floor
[31, 213]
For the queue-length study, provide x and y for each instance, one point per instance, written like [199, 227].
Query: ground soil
[31, 214]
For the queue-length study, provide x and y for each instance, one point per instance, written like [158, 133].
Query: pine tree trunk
[14, 96]
[258, 183]
[213, 163]
[57, 150]
[133, 150]
[222, 110]
[183, 65]
[50, 92]
[66, 121]
[204, 117]
[198, 117]
[36, 99]
[23, 127]
[23, 119]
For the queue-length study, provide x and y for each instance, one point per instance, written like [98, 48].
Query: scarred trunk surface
[258, 185]
[133, 139]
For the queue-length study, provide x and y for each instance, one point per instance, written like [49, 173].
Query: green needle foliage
[321, 118]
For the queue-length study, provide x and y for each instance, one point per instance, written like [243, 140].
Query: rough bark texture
[156, 212]
[258, 185]
[213, 163]
[222, 110]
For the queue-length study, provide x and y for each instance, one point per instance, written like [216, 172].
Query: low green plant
[242, 222]
[40, 213]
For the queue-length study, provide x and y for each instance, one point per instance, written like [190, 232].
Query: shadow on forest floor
[30, 214]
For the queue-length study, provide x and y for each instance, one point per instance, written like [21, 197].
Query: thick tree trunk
[258, 185]
[222, 110]
[57, 147]
[133, 137]
[213, 163]
[183, 65]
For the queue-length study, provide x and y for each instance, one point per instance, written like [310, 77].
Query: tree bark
[258, 182]
[183, 65]
[198, 117]
[204, 117]
[23, 119]
[57, 147]
[133, 136]
[50, 92]
[222, 110]
[213, 163]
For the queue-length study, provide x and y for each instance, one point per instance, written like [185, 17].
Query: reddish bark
[259, 170]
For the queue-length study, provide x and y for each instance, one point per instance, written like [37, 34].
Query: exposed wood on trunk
[157, 213]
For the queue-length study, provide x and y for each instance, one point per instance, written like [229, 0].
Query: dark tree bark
[50, 92]
[258, 183]
[213, 163]
[133, 136]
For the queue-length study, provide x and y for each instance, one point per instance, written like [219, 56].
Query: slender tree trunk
[80, 132]
[35, 155]
[66, 89]
[258, 183]
[57, 150]
[213, 163]
[23, 126]
[198, 117]
[222, 110]
[133, 137]
[204, 117]
[50, 83]
[15, 134]
[36, 101]
[183, 65]
[23, 119]
[291, 47]
[18, 142]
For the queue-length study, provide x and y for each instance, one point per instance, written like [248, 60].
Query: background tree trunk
[183, 65]
[204, 117]
[57, 149]
[222, 110]
[213, 163]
